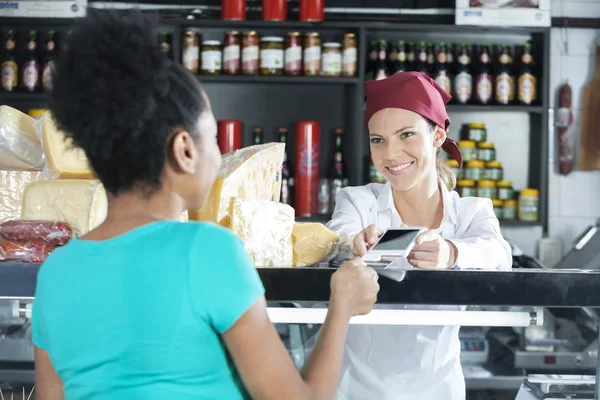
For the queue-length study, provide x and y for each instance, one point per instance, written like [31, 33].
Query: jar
[487, 189]
[475, 132]
[529, 203]
[505, 190]
[331, 59]
[494, 171]
[231, 53]
[498, 208]
[274, 10]
[312, 54]
[458, 172]
[509, 209]
[487, 152]
[250, 52]
[233, 10]
[466, 188]
[349, 55]
[293, 54]
[271, 56]
[190, 51]
[468, 150]
[211, 57]
[312, 10]
[475, 170]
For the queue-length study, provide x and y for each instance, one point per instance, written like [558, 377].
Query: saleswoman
[145, 307]
[407, 123]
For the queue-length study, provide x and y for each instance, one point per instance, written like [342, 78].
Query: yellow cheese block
[12, 186]
[265, 227]
[252, 172]
[81, 203]
[64, 160]
[20, 148]
[312, 243]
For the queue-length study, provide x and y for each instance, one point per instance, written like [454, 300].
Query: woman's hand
[432, 252]
[354, 288]
[365, 239]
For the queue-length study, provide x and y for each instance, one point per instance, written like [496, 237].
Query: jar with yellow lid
[475, 170]
[466, 188]
[505, 190]
[487, 188]
[468, 150]
[494, 171]
[498, 208]
[487, 152]
[35, 112]
[509, 209]
[529, 204]
[475, 132]
[458, 172]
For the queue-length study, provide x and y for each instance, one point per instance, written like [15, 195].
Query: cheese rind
[20, 148]
[63, 159]
[12, 186]
[265, 227]
[81, 203]
[252, 172]
[312, 243]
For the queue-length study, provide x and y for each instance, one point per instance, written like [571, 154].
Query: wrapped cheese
[252, 172]
[313, 242]
[12, 186]
[20, 148]
[265, 227]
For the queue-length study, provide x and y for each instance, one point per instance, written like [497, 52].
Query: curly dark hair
[120, 98]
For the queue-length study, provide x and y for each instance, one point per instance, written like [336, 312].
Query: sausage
[25, 251]
[564, 123]
[51, 232]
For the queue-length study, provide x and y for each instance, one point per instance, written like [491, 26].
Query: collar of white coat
[385, 202]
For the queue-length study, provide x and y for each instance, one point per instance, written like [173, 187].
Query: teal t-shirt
[139, 316]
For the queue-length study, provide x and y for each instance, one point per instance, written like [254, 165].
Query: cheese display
[63, 159]
[80, 203]
[312, 243]
[252, 172]
[12, 185]
[20, 148]
[265, 227]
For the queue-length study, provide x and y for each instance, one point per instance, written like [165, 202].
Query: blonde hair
[445, 172]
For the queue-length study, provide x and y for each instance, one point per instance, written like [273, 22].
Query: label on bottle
[31, 75]
[381, 55]
[271, 58]
[293, 60]
[485, 58]
[250, 58]
[332, 63]
[211, 60]
[191, 58]
[323, 197]
[47, 75]
[527, 88]
[463, 87]
[442, 58]
[430, 58]
[335, 185]
[411, 57]
[402, 56]
[484, 88]
[526, 58]
[231, 58]
[423, 56]
[312, 60]
[505, 88]
[350, 55]
[504, 59]
[10, 75]
[464, 59]
[444, 81]
[381, 74]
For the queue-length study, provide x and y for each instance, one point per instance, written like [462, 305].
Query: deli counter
[532, 306]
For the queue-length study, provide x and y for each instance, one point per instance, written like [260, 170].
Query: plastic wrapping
[19, 147]
[12, 186]
[252, 172]
[266, 228]
[25, 251]
[50, 232]
[313, 244]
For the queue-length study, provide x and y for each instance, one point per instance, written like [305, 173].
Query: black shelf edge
[278, 79]
[315, 218]
[21, 96]
[494, 108]
[518, 224]
[582, 23]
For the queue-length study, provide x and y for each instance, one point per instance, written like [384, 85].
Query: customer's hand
[365, 239]
[354, 288]
[432, 252]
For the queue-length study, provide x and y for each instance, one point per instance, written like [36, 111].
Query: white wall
[574, 199]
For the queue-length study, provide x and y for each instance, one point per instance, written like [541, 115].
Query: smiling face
[404, 146]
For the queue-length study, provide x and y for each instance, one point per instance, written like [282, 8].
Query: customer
[145, 307]
[407, 123]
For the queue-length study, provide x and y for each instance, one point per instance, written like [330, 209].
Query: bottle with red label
[442, 70]
[49, 58]
[484, 83]
[307, 167]
[9, 68]
[30, 80]
[527, 82]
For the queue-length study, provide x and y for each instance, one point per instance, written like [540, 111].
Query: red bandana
[415, 92]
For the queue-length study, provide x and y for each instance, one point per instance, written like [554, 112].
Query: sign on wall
[503, 12]
[43, 9]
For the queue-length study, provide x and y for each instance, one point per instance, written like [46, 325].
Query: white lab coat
[420, 362]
